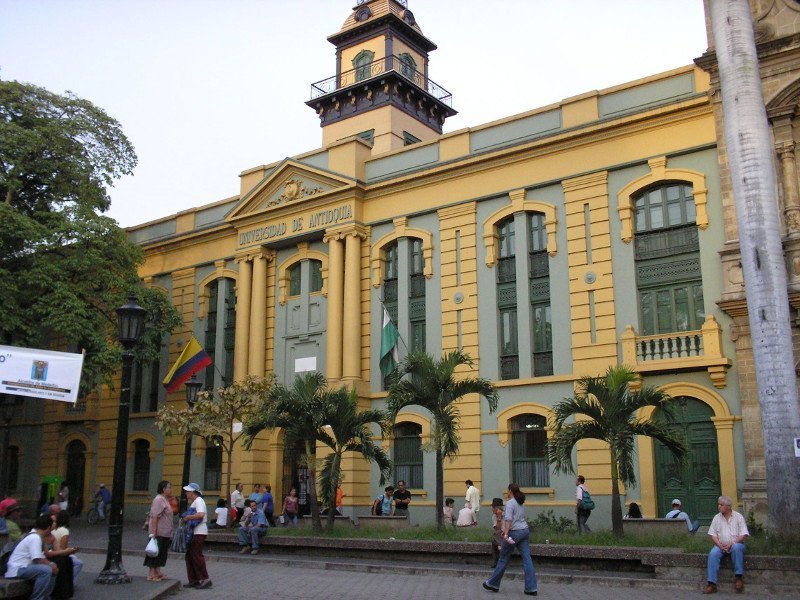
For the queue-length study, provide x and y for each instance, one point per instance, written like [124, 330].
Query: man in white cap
[677, 513]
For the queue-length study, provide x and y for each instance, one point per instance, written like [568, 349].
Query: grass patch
[555, 531]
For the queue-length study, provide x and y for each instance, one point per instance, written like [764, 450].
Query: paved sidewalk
[239, 580]
[290, 577]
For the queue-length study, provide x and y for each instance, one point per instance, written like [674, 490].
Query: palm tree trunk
[335, 473]
[750, 157]
[439, 488]
[616, 505]
[316, 522]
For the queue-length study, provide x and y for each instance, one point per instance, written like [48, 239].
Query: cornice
[561, 142]
[189, 238]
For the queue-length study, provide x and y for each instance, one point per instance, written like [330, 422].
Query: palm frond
[564, 439]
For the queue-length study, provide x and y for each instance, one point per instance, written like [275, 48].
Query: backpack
[377, 507]
[586, 501]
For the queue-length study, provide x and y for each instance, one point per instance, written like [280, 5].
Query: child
[449, 517]
[497, 528]
[222, 514]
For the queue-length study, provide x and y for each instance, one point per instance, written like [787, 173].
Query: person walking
[290, 507]
[516, 534]
[196, 570]
[160, 526]
[581, 514]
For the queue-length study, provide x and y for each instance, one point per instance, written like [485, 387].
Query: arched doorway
[76, 470]
[697, 483]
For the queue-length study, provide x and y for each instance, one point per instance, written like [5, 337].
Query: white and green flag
[389, 337]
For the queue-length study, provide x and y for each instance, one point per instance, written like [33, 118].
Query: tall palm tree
[422, 381]
[611, 408]
[348, 430]
[300, 410]
[750, 157]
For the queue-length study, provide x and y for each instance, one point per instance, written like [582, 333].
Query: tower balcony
[678, 351]
[386, 81]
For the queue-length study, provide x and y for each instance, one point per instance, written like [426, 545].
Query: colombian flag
[192, 359]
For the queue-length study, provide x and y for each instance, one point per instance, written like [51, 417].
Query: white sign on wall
[301, 365]
[40, 373]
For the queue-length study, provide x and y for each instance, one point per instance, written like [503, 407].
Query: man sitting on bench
[677, 513]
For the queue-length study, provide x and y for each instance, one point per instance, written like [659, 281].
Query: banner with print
[40, 373]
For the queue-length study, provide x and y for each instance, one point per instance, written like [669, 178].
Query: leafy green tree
[301, 411]
[347, 429]
[610, 408]
[433, 385]
[64, 267]
[214, 414]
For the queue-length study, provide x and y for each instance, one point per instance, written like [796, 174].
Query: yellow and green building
[548, 245]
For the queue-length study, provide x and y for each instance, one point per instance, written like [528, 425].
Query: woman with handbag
[160, 528]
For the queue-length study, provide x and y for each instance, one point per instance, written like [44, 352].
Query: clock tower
[381, 90]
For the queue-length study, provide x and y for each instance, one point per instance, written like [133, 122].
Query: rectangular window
[154, 386]
[315, 270]
[294, 280]
[409, 139]
[529, 451]
[509, 346]
[230, 331]
[136, 387]
[542, 340]
[408, 455]
[212, 479]
[210, 345]
[672, 308]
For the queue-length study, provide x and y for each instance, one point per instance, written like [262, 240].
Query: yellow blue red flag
[192, 359]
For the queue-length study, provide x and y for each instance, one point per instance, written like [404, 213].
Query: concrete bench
[650, 526]
[15, 588]
[384, 522]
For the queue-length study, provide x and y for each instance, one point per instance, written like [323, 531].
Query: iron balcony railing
[375, 69]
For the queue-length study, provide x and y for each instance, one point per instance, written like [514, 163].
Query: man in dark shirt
[402, 498]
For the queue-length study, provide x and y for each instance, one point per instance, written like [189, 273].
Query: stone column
[351, 339]
[258, 316]
[333, 346]
[243, 287]
[791, 198]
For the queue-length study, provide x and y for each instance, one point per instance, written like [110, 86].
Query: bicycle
[93, 514]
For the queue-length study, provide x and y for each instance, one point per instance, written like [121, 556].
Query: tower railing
[376, 68]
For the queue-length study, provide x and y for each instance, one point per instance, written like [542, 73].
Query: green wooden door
[697, 483]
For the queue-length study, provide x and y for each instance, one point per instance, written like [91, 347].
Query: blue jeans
[521, 538]
[253, 533]
[715, 558]
[43, 579]
[290, 519]
[77, 567]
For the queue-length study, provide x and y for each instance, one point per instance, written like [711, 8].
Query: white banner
[40, 373]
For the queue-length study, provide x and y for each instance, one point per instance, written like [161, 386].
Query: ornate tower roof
[381, 89]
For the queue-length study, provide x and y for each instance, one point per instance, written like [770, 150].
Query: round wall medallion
[590, 277]
[458, 297]
[363, 14]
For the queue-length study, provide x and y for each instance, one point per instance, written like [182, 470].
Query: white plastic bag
[152, 548]
[281, 520]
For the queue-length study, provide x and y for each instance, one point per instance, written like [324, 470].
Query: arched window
[408, 66]
[408, 454]
[507, 300]
[667, 252]
[141, 465]
[362, 64]
[212, 479]
[220, 327]
[529, 451]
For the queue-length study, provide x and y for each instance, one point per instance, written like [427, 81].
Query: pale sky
[205, 89]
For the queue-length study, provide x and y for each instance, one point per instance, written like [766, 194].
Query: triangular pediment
[291, 182]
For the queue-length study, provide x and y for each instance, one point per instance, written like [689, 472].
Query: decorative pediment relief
[291, 182]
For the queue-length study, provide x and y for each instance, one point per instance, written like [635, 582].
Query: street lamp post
[130, 319]
[9, 405]
[192, 388]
